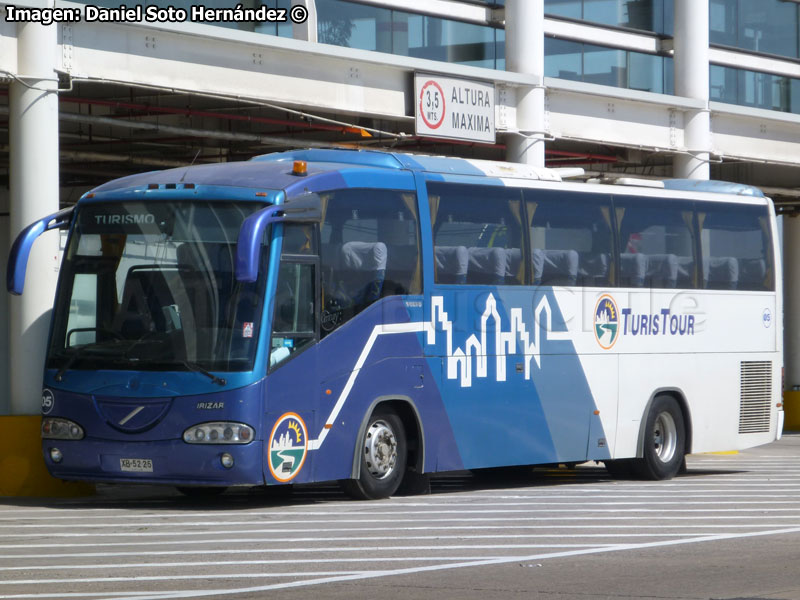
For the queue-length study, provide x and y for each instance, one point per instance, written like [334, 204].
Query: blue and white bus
[373, 317]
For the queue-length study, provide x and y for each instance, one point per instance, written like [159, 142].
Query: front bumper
[173, 462]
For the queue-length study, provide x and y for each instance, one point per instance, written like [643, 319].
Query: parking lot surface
[729, 528]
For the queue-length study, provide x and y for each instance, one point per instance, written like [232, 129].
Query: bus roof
[415, 162]
[273, 172]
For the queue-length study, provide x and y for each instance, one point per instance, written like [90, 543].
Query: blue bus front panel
[139, 439]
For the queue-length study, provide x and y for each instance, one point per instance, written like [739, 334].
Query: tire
[664, 444]
[384, 453]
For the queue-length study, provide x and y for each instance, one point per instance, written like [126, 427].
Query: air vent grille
[756, 396]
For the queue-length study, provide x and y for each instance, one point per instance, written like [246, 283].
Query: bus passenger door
[292, 382]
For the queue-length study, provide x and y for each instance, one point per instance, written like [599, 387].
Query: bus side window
[293, 323]
[656, 243]
[477, 234]
[736, 247]
[369, 249]
[570, 238]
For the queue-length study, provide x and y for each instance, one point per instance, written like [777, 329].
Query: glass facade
[769, 26]
[762, 26]
[589, 63]
[751, 88]
[647, 15]
[407, 34]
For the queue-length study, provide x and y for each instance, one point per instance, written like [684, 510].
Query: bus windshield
[152, 286]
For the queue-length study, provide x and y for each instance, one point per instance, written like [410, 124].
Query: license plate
[136, 465]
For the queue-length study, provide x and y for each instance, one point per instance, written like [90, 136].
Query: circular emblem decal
[766, 318]
[288, 446]
[606, 322]
[48, 401]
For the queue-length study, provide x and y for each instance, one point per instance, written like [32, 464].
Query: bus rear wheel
[664, 440]
[383, 451]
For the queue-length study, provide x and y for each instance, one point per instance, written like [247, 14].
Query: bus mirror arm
[299, 209]
[21, 249]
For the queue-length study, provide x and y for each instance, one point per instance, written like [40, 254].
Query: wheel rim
[380, 450]
[665, 437]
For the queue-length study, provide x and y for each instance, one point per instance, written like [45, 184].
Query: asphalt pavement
[728, 529]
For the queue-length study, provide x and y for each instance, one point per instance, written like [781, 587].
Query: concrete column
[5, 244]
[33, 135]
[525, 54]
[791, 299]
[692, 81]
[308, 29]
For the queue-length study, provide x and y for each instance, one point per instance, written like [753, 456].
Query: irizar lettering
[661, 323]
[210, 405]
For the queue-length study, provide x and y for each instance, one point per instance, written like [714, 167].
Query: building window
[768, 26]
[407, 34]
[647, 15]
[607, 66]
[752, 88]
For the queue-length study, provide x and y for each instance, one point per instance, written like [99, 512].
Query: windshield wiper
[79, 353]
[198, 369]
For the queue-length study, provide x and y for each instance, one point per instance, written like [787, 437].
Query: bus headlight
[221, 432]
[54, 428]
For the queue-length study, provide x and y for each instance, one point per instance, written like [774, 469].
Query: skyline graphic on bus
[477, 348]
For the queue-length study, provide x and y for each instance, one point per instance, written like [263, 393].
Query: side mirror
[299, 209]
[21, 249]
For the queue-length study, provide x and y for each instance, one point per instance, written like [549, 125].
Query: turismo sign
[458, 109]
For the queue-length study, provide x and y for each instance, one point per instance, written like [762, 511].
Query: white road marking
[176, 577]
[477, 528]
[470, 564]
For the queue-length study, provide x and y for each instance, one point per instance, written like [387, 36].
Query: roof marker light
[300, 168]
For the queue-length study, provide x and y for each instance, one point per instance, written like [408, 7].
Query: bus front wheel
[664, 444]
[383, 451]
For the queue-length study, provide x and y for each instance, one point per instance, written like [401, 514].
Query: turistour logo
[606, 322]
[288, 447]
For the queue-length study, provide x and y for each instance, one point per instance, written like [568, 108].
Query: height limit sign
[456, 109]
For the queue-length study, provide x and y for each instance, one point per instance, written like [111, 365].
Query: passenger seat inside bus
[452, 264]
[720, 273]
[633, 269]
[555, 267]
[362, 272]
[487, 266]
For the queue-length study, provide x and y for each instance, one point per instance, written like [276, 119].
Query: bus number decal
[288, 447]
[48, 401]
